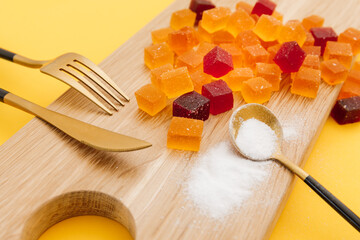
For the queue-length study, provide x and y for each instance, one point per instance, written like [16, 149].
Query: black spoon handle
[5, 54]
[335, 203]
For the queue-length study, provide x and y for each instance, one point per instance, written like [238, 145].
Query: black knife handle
[5, 54]
[3, 94]
[335, 203]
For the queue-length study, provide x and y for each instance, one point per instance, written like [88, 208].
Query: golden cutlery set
[72, 68]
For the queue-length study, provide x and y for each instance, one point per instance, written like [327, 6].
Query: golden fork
[69, 68]
[88, 134]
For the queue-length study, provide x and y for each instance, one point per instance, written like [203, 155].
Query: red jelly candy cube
[220, 95]
[322, 35]
[199, 6]
[347, 110]
[289, 57]
[218, 62]
[192, 105]
[263, 7]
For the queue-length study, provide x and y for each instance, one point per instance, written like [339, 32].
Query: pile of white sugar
[256, 139]
[222, 180]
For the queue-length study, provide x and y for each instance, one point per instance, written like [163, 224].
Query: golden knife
[88, 134]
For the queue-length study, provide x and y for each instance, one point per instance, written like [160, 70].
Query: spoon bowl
[265, 115]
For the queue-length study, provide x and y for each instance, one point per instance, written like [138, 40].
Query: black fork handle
[5, 54]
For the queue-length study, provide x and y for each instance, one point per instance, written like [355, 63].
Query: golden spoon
[263, 114]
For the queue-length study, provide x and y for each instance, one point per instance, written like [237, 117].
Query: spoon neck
[290, 165]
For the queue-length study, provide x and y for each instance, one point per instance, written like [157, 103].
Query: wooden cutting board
[46, 177]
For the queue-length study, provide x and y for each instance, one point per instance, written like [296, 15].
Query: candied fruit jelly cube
[306, 82]
[222, 36]
[293, 30]
[347, 110]
[191, 59]
[235, 52]
[192, 105]
[157, 55]
[244, 6]
[312, 21]
[267, 28]
[199, 6]
[150, 99]
[263, 7]
[289, 57]
[204, 48]
[185, 134]
[311, 61]
[182, 18]
[199, 78]
[352, 36]
[254, 54]
[322, 35]
[157, 72]
[312, 50]
[236, 77]
[220, 95]
[246, 39]
[278, 16]
[176, 82]
[160, 35]
[183, 40]
[339, 51]
[351, 86]
[218, 62]
[271, 73]
[310, 40]
[204, 36]
[256, 90]
[333, 72]
[272, 52]
[215, 19]
[240, 21]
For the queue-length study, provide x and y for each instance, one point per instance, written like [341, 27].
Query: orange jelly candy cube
[235, 52]
[203, 34]
[278, 16]
[312, 21]
[306, 82]
[311, 61]
[150, 99]
[254, 54]
[157, 72]
[351, 85]
[333, 72]
[204, 48]
[185, 134]
[246, 39]
[191, 59]
[176, 82]
[236, 77]
[271, 73]
[182, 18]
[256, 90]
[158, 55]
[351, 36]
[310, 40]
[244, 6]
[267, 28]
[339, 51]
[240, 21]
[312, 50]
[183, 40]
[272, 52]
[222, 36]
[199, 78]
[293, 30]
[215, 19]
[160, 35]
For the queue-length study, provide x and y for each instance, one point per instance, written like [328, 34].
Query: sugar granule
[256, 139]
[222, 180]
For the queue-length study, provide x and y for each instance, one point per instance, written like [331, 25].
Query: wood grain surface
[45, 176]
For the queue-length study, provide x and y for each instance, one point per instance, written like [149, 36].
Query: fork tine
[81, 78]
[95, 69]
[64, 77]
[94, 78]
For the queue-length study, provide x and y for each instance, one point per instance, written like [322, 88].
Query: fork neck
[16, 58]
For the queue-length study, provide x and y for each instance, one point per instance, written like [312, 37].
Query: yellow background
[44, 29]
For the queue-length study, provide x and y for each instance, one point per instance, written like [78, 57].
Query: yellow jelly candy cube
[333, 72]
[339, 51]
[150, 99]
[156, 74]
[271, 73]
[293, 30]
[182, 18]
[176, 82]
[256, 90]
[240, 21]
[215, 19]
[236, 77]
[267, 28]
[306, 82]
[158, 55]
[160, 35]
